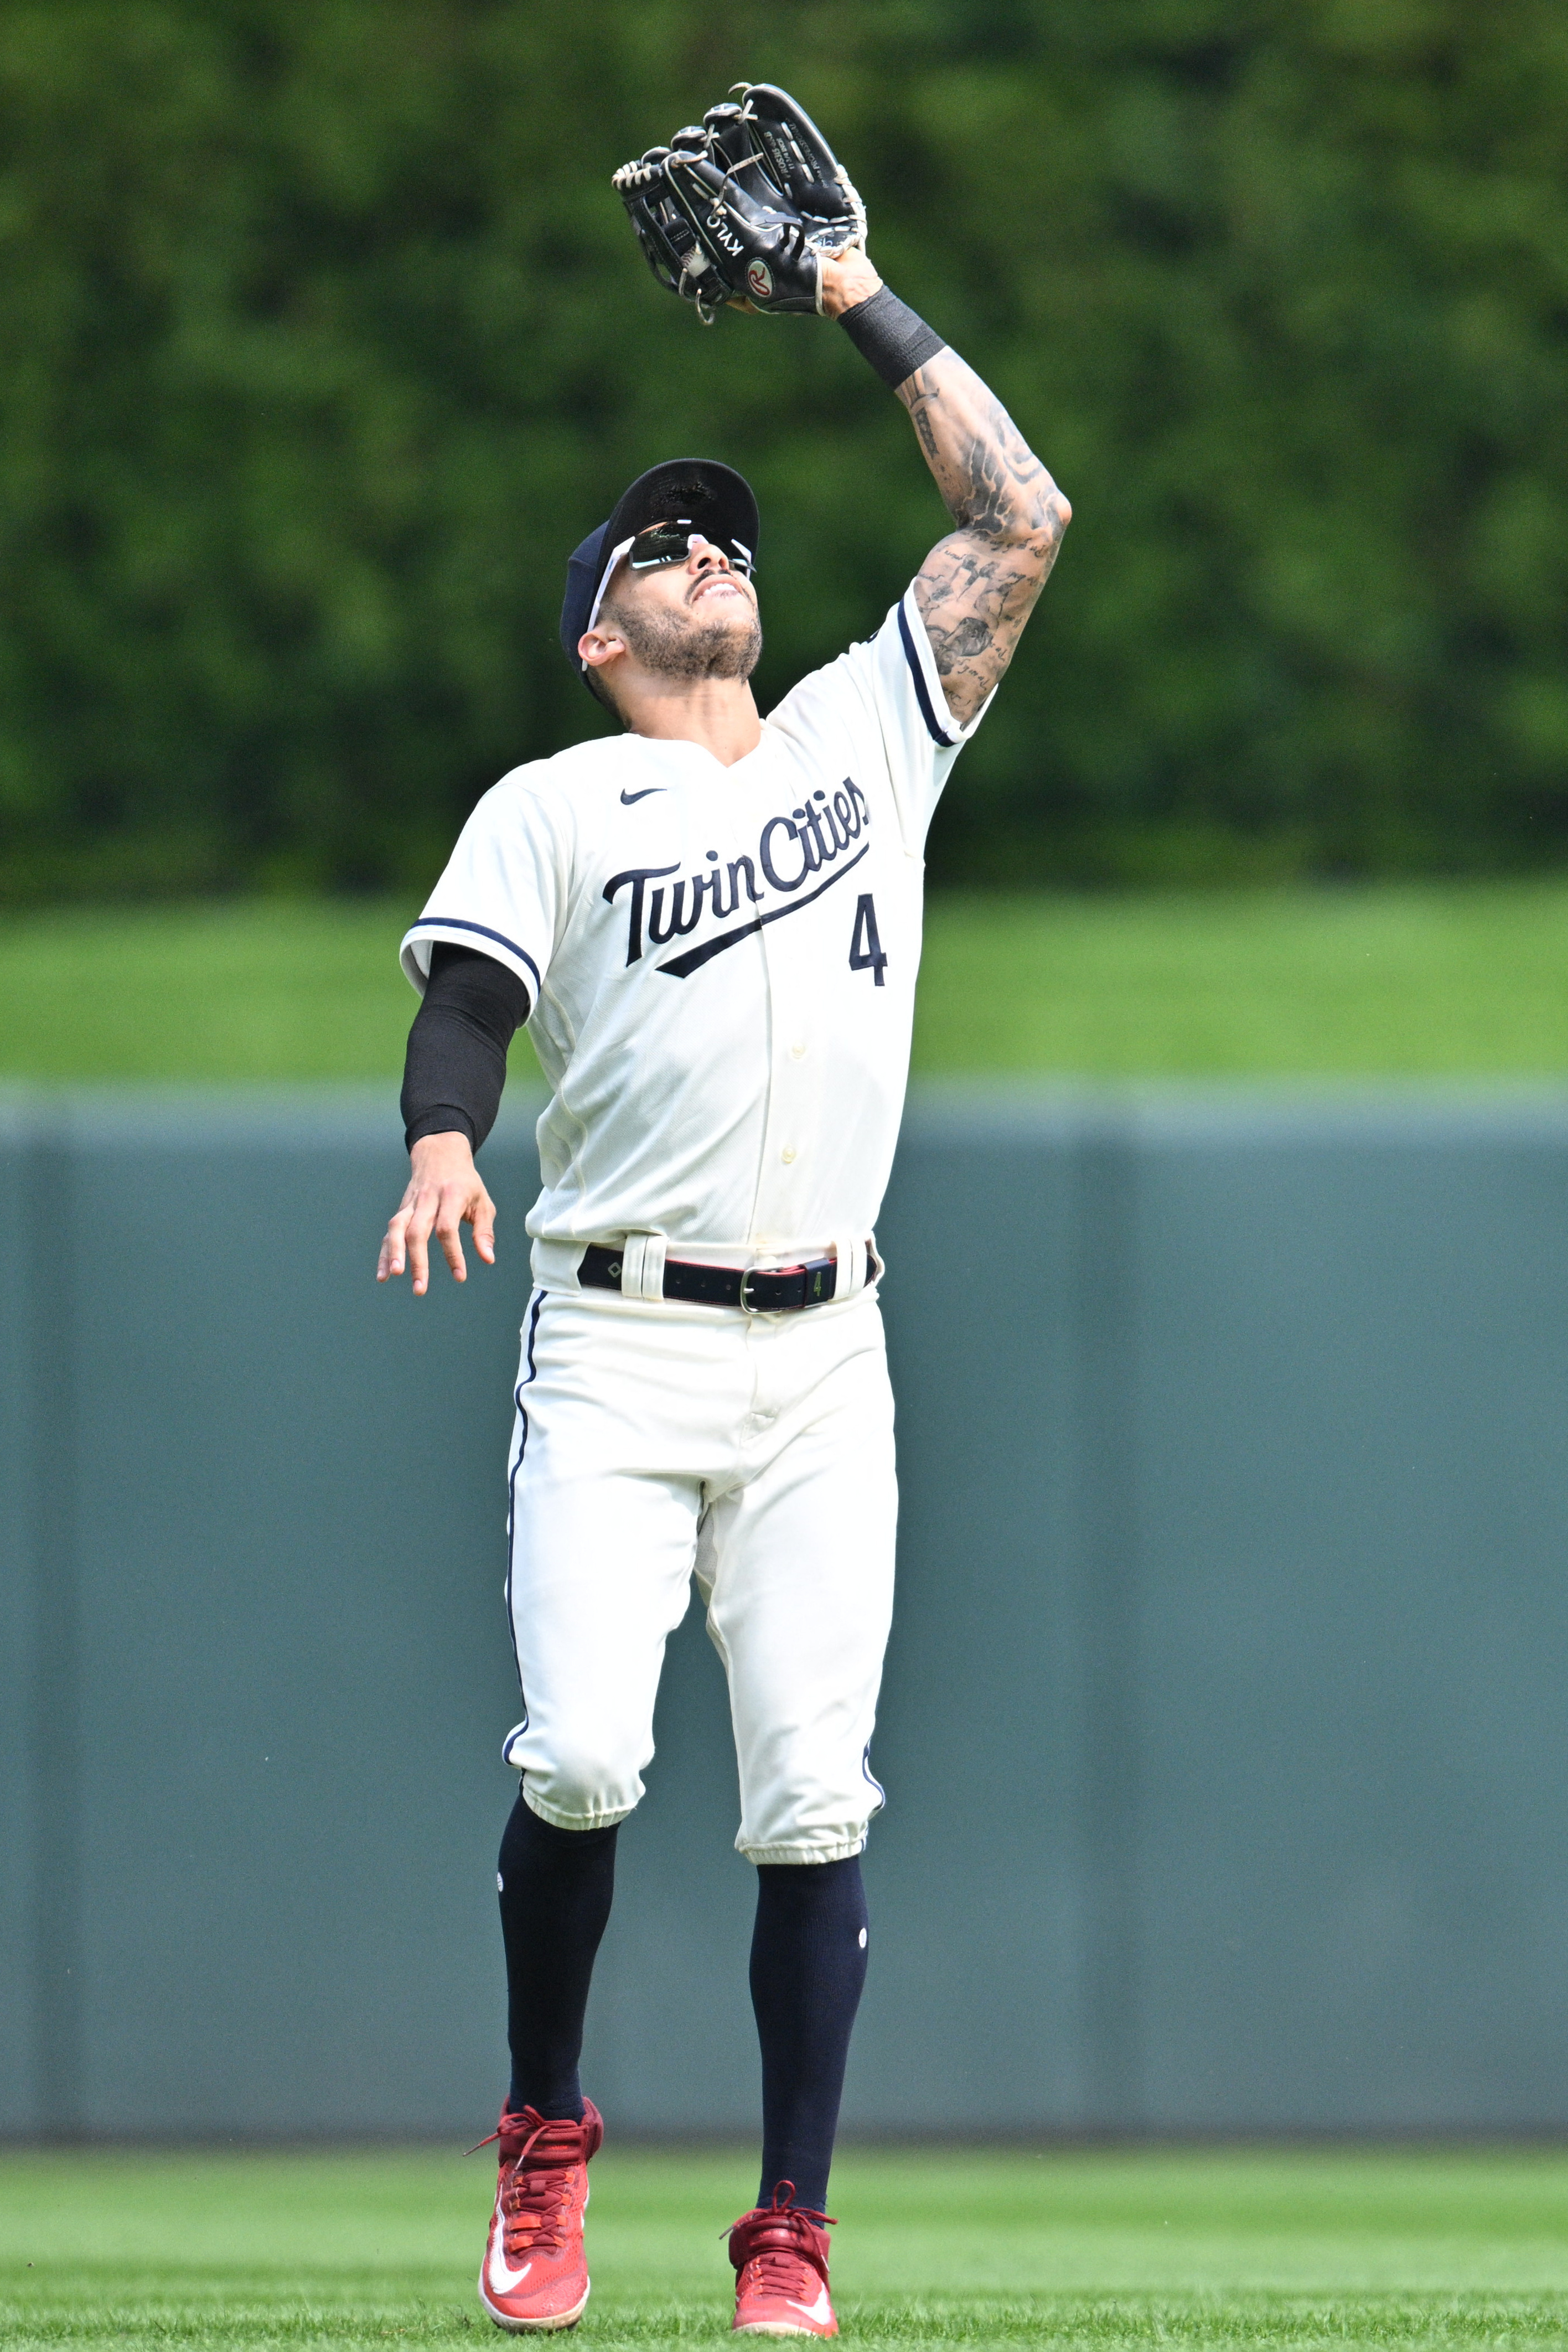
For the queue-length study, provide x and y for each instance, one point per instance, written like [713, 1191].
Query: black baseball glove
[743, 207]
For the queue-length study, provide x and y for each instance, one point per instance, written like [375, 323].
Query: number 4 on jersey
[865, 948]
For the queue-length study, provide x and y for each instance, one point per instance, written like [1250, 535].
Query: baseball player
[711, 922]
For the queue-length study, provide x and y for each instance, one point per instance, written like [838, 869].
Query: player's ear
[599, 644]
[599, 648]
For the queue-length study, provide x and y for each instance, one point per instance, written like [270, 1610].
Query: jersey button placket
[776, 1213]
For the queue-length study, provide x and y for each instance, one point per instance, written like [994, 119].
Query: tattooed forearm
[977, 587]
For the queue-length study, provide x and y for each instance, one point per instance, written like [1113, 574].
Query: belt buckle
[746, 1307]
[808, 1268]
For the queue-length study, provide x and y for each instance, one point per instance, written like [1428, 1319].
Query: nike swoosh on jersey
[504, 2278]
[627, 798]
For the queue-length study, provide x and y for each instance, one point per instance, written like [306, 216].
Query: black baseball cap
[714, 498]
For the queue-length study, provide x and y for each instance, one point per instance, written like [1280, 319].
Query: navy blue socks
[808, 1967]
[556, 1888]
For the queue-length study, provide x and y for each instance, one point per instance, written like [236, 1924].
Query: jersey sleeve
[895, 672]
[504, 891]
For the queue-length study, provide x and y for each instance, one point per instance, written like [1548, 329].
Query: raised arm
[978, 586]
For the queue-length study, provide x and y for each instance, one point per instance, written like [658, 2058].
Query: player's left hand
[745, 206]
[445, 1191]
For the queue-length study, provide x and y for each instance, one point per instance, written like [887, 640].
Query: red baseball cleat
[534, 2275]
[780, 2256]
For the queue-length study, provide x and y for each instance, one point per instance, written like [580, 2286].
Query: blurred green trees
[323, 339]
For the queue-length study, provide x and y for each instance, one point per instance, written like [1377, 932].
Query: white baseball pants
[655, 1441]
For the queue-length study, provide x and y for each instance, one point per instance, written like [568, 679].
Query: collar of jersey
[679, 749]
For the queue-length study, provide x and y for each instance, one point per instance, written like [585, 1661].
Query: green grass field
[1101, 2250]
[1412, 983]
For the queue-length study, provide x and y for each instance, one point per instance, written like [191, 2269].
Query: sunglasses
[671, 542]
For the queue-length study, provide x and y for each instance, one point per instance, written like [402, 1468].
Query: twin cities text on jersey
[811, 840]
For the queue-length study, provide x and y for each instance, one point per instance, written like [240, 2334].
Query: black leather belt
[761, 1290]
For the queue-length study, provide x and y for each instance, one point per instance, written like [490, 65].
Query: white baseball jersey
[721, 960]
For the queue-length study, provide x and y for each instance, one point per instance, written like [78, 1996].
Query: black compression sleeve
[893, 338]
[457, 1062]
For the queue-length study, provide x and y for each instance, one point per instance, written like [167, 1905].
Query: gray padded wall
[1224, 1727]
[20, 1971]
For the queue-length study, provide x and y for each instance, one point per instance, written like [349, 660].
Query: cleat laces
[533, 2212]
[783, 2272]
[535, 2204]
[778, 2249]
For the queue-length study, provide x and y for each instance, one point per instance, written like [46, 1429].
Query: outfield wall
[1224, 1731]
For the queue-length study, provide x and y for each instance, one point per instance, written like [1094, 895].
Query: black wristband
[892, 337]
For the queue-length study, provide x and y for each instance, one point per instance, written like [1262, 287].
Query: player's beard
[673, 646]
